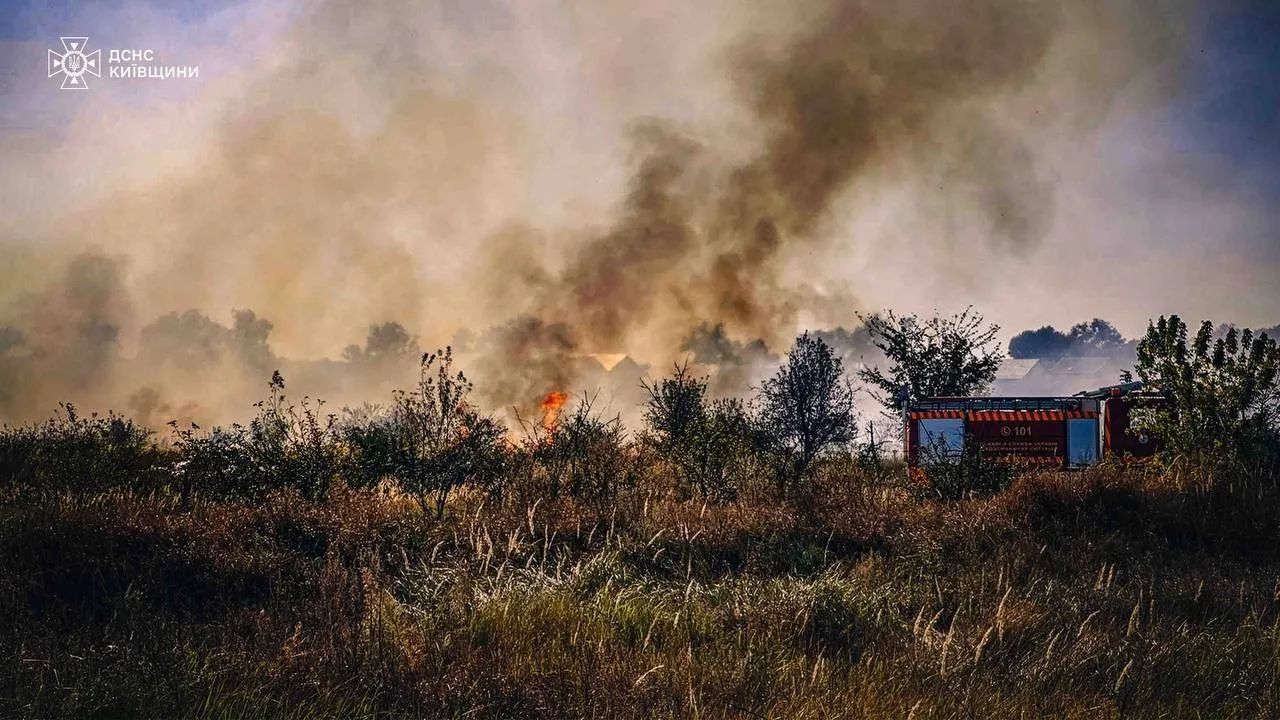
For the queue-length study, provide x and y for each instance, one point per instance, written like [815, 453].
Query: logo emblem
[74, 63]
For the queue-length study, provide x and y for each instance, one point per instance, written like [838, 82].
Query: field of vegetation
[728, 559]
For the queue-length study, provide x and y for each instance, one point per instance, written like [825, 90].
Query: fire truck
[1058, 432]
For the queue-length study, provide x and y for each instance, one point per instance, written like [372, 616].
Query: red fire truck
[1062, 432]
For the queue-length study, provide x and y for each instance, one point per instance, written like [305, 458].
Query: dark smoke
[736, 364]
[855, 347]
[864, 87]
[518, 363]
[622, 276]
[711, 345]
[327, 225]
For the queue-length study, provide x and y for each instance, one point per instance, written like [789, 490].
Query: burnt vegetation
[750, 557]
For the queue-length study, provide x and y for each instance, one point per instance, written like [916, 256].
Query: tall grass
[1104, 594]
[285, 569]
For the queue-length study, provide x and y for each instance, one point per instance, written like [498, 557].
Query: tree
[249, 334]
[703, 440]
[1045, 343]
[675, 407]
[386, 343]
[10, 338]
[1096, 337]
[1224, 394]
[807, 407]
[190, 341]
[927, 358]
[1090, 339]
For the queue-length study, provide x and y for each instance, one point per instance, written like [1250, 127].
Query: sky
[1232, 104]
[467, 121]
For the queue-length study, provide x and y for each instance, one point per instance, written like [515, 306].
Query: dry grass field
[1108, 593]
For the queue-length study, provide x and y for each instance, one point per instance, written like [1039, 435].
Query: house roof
[1063, 376]
[1015, 368]
[1078, 366]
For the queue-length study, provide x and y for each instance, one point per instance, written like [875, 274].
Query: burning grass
[1103, 594]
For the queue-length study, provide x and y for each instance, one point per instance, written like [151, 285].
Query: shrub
[705, 442]
[1224, 395]
[963, 474]
[214, 464]
[584, 455]
[284, 445]
[440, 441]
[370, 438]
[80, 455]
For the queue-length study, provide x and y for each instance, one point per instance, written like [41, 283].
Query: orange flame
[551, 405]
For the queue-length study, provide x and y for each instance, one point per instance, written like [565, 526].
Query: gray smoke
[391, 166]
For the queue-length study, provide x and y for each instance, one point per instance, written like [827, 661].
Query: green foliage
[708, 443]
[284, 445]
[964, 474]
[584, 455]
[290, 445]
[79, 455]
[440, 440]
[676, 406]
[370, 438]
[215, 465]
[938, 356]
[1224, 394]
[430, 441]
[807, 408]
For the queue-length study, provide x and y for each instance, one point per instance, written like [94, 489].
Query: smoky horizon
[556, 183]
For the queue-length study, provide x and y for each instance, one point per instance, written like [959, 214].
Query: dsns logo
[74, 63]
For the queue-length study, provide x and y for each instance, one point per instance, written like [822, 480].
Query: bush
[1223, 395]
[370, 438]
[708, 444]
[285, 445]
[215, 465]
[584, 455]
[79, 455]
[950, 475]
[440, 441]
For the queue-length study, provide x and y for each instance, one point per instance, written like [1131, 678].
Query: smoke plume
[861, 89]
[663, 171]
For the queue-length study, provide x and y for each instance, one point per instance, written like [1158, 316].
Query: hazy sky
[1232, 103]
[455, 122]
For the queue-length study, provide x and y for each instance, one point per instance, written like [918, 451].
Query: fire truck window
[1082, 441]
[944, 436]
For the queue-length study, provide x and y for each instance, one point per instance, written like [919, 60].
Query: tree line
[433, 438]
